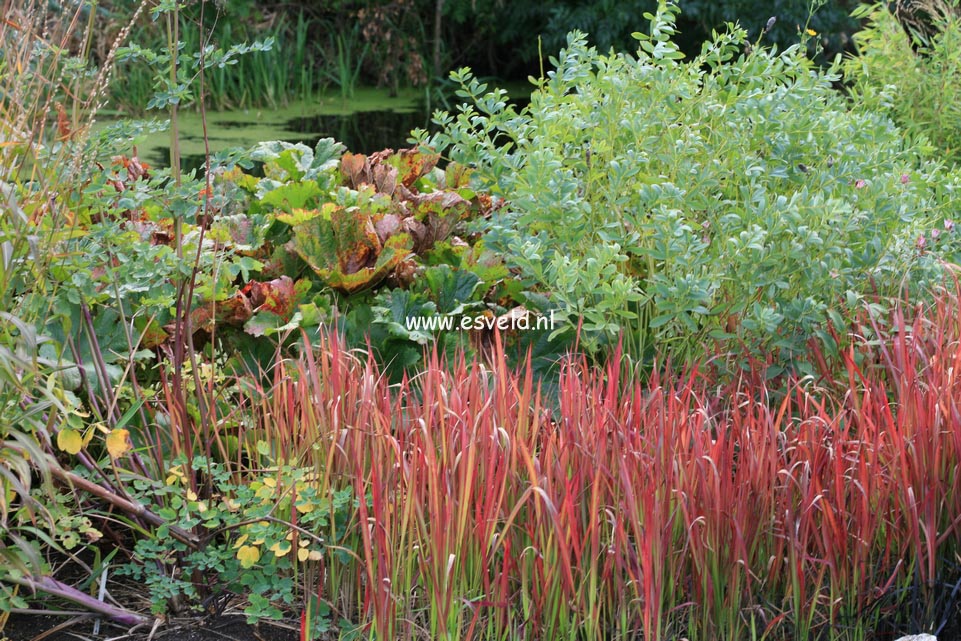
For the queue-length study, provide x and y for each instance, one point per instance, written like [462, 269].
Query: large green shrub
[732, 197]
[911, 68]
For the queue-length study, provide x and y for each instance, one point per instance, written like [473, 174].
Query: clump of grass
[270, 77]
[908, 65]
[660, 509]
[348, 56]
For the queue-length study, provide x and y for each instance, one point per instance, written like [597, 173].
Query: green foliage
[281, 66]
[30, 396]
[369, 239]
[731, 198]
[349, 61]
[114, 286]
[912, 73]
[179, 88]
[257, 534]
[35, 72]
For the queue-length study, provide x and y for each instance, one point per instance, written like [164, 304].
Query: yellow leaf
[191, 495]
[241, 540]
[70, 441]
[281, 548]
[176, 475]
[315, 555]
[303, 554]
[305, 507]
[248, 555]
[118, 442]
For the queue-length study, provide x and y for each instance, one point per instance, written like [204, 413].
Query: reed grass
[271, 78]
[347, 52]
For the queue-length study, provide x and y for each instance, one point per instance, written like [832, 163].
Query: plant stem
[52, 586]
[126, 505]
[438, 17]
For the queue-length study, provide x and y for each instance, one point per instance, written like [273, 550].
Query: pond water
[370, 121]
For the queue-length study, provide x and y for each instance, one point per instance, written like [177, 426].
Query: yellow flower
[811, 32]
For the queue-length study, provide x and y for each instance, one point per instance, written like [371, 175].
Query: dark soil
[39, 627]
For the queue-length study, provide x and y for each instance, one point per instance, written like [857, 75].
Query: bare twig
[126, 505]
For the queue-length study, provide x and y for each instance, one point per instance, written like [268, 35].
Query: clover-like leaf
[280, 548]
[248, 555]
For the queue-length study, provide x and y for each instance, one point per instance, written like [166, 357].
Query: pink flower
[949, 225]
[935, 233]
[921, 242]
[905, 179]
[860, 183]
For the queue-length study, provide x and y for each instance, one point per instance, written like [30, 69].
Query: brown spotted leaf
[387, 227]
[276, 296]
[346, 251]
[153, 335]
[413, 164]
[384, 178]
[235, 310]
[457, 176]
[355, 168]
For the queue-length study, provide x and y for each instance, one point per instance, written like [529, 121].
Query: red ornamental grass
[640, 510]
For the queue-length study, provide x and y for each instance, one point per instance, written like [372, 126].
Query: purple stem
[52, 586]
